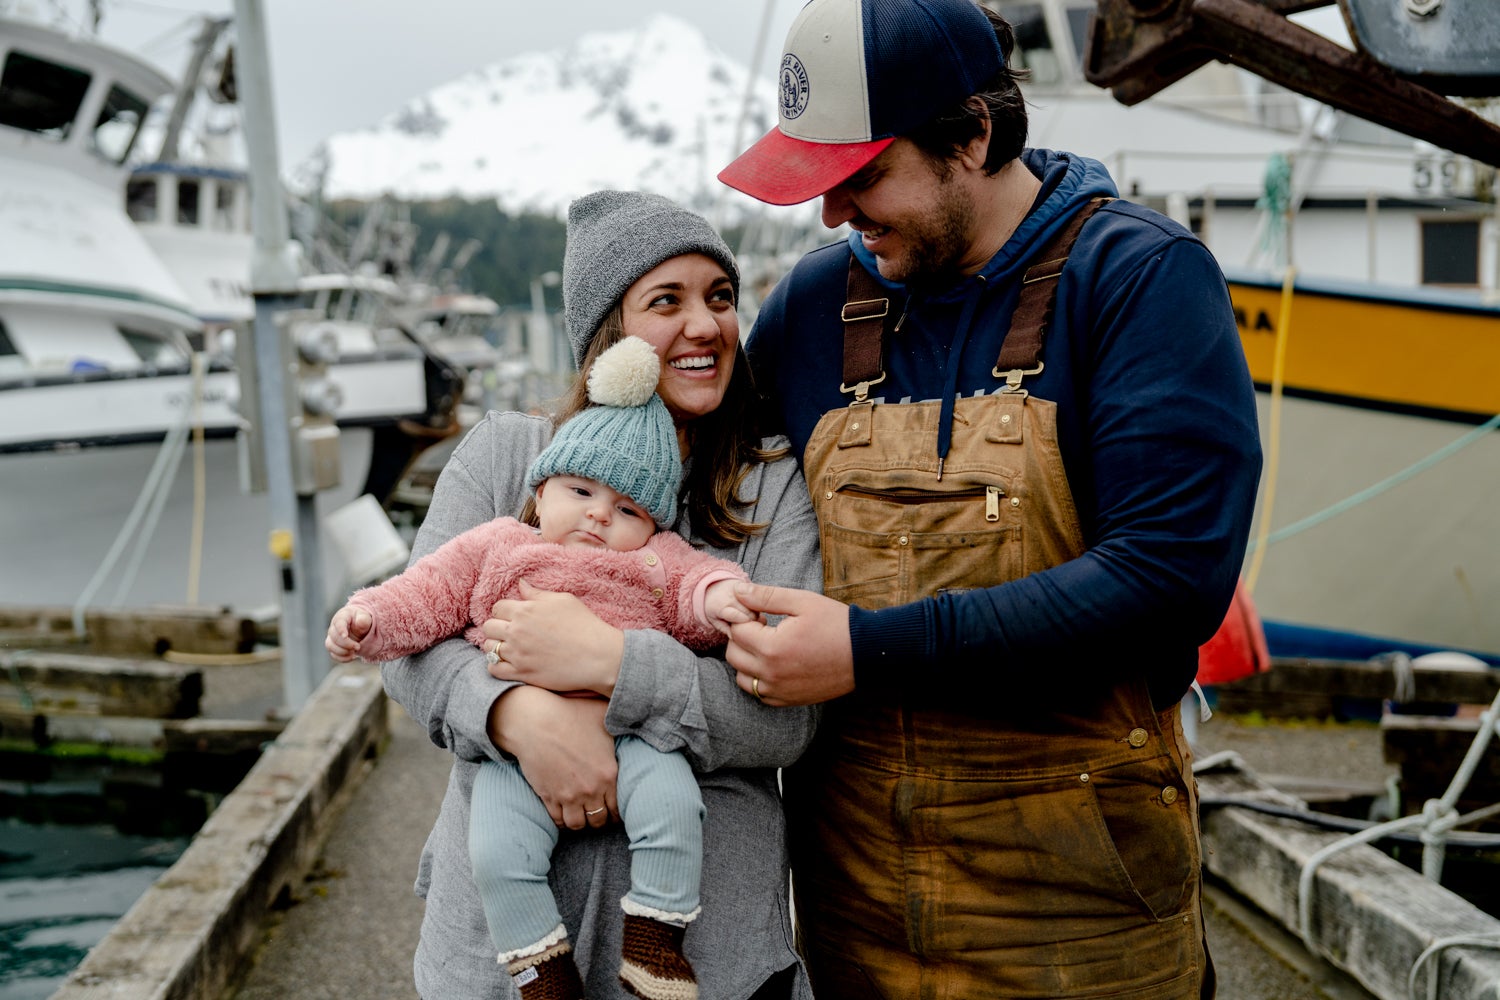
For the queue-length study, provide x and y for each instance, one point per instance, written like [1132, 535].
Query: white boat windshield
[45, 97]
[1050, 38]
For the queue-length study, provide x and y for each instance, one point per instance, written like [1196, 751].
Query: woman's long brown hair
[723, 444]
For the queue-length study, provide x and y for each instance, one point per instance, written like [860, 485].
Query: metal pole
[293, 538]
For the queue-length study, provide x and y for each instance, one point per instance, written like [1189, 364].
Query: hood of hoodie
[1068, 181]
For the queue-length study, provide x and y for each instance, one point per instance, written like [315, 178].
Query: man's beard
[936, 247]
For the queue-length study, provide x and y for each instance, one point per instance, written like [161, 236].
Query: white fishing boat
[1376, 519]
[104, 368]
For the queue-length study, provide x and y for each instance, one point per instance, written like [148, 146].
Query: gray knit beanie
[626, 440]
[614, 237]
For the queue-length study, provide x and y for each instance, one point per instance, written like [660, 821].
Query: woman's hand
[565, 753]
[552, 640]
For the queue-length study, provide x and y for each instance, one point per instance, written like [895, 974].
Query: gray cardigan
[665, 694]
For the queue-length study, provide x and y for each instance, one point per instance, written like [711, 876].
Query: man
[1025, 537]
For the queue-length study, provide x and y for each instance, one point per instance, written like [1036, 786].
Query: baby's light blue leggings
[511, 839]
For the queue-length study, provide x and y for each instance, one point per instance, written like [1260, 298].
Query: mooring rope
[1436, 948]
[148, 507]
[1370, 492]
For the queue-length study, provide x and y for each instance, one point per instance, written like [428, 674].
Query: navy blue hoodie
[1156, 424]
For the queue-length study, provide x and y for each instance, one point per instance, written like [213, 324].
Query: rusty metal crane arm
[1138, 47]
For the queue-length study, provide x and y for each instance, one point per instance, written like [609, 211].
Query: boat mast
[203, 46]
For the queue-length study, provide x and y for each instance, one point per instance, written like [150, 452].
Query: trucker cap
[855, 74]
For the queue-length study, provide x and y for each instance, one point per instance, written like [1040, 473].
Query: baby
[609, 477]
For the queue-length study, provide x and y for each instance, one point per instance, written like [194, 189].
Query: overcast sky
[341, 64]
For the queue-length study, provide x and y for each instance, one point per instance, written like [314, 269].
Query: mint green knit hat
[626, 440]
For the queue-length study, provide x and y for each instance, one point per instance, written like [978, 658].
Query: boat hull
[1418, 562]
[60, 512]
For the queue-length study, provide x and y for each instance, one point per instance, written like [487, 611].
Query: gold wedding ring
[755, 689]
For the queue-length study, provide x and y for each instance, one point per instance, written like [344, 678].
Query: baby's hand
[723, 607]
[350, 624]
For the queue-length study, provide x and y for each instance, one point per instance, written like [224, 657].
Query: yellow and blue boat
[1377, 522]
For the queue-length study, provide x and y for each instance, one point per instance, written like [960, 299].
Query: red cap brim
[781, 170]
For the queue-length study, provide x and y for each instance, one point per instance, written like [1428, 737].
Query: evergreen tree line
[513, 250]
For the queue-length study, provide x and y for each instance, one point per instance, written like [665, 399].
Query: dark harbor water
[79, 843]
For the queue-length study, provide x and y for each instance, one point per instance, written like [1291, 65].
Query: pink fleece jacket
[658, 586]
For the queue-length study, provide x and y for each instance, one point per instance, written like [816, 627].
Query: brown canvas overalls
[1029, 851]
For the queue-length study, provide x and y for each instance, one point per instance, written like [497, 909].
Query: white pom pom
[625, 375]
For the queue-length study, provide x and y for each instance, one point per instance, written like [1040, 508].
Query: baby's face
[584, 512]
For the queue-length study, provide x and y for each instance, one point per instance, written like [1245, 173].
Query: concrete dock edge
[185, 938]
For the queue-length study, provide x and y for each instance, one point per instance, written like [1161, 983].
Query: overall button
[1138, 738]
[1169, 795]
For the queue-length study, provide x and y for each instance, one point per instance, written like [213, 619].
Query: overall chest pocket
[887, 543]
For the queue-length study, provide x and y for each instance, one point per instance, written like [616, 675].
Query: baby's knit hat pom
[625, 375]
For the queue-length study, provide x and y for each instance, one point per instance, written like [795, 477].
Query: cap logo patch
[793, 87]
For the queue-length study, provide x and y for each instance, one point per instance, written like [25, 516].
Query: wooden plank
[210, 738]
[1429, 750]
[148, 631]
[1371, 916]
[44, 682]
[1296, 687]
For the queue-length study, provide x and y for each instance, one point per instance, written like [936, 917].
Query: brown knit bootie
[548, 976]
[652, 964]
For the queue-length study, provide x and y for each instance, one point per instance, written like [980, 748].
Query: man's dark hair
[999, 102]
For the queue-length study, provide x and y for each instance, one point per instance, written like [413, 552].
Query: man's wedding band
[593, 812]
[755, 689]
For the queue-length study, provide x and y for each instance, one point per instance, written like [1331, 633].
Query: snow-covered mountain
[656, 108]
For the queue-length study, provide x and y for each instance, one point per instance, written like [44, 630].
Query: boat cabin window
[118, 124]
[1034, 50]
[1450, 252]
[187, 201]
[151, 349]
[1078, 27]
[140, 199]
[224, 219]
[1037, 49]
[40, 96]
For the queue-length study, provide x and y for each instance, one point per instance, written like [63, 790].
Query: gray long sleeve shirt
[665, 694]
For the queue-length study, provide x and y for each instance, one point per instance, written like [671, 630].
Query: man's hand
[804, 659]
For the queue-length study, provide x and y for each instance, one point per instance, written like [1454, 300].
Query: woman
[636, 265]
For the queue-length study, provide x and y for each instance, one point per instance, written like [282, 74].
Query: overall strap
[865, 309]
[1021, 352]
[867, 305]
